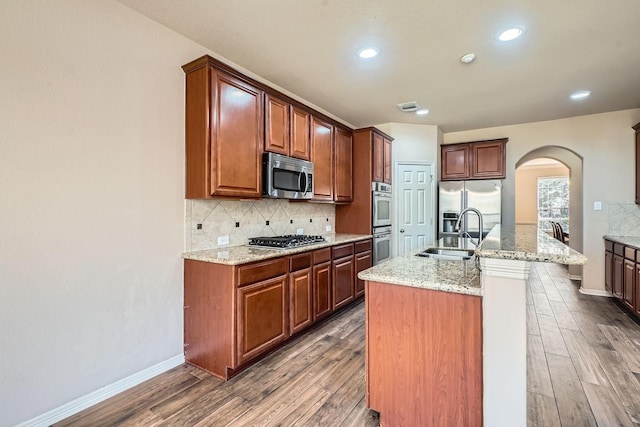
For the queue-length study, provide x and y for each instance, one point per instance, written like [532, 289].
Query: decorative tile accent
[219, 217]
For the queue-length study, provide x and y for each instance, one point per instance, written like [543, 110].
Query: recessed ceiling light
[368, 52]
[468, 58]
[422, 112]
[581, 94]
[510, 34]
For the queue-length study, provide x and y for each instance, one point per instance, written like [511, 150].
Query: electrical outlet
[223, 240]
[300, 231]
[597, 206]
[328, 228]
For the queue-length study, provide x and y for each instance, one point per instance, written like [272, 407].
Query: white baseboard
[595, 292]
[574, 277]
[83, 402]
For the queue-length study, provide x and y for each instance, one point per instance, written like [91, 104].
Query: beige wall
[527, 189]
[605, 142]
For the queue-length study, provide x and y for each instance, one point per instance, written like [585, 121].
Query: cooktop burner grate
[284, 242]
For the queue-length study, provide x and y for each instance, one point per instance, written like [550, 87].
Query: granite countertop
[625, 240]
[236, 255]
[527, 243]
[522, 242]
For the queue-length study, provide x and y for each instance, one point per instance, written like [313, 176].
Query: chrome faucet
[462, 233]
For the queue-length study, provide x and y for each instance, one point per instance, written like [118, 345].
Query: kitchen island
[446, 339]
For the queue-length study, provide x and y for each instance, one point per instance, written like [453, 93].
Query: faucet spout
[461, 233]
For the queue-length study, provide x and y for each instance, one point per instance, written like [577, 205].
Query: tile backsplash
[206, 220]
[624, 219]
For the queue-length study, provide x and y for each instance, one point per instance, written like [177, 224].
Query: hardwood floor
[583, 364]
[583, 370]
[316, 380]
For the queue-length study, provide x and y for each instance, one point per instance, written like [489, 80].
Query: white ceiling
[309, 48]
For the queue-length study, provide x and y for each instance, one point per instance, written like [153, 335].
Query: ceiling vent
[409, 107]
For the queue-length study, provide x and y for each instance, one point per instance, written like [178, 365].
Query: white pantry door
[415, 191]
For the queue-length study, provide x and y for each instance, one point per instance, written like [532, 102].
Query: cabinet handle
[402, 230]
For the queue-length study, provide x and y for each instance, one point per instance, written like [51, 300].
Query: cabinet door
[343, 269]
[322, 158]
[387, 161]
[343, 166]
[618, 276]
[363, 261]
[629, 283]
[488, 159]
[300, 139]
[276, 112]
[262, 317]
[322, 290]
[378, 158]
[300, 300]
[637, 129]
[236, 137]
[454, 161]
[608, 271]
[636, 306]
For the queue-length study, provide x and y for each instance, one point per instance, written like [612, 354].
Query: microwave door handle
[306, 180]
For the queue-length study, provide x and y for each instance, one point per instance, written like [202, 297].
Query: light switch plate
[597, 206]
[300, 231]
[223, 240]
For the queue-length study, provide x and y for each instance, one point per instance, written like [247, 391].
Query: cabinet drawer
[300, 261]
[342, 250]
[630, 253]
[618, 249]
[321, 255]
[363, 246]
[608, 245]
[263, 270]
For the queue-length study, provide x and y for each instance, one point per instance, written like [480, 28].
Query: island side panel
[208, 316]
[424, 356]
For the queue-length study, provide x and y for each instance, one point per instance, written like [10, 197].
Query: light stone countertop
[527, 243]
[522, 242]
[625, 240]
[236, 255]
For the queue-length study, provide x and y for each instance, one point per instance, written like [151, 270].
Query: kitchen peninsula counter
[441, 344]
[237, 255]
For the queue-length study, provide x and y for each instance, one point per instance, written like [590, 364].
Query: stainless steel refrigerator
[454, 196]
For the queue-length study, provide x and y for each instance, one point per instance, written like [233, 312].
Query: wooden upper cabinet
[300, 139]
[488, 159]
[276, 137]
[224, 134]
[378, 158]
[322, 158]
[454, 161]
[473, 160]
[387, 161]
[637, 129]
[286, 128]
[343, 191]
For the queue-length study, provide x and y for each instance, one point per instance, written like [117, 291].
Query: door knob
[402, 230]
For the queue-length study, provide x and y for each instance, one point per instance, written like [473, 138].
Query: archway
[573, 161]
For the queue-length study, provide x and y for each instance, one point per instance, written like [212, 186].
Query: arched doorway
[573, 161]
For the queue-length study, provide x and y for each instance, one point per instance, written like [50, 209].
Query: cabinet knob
[402, 230]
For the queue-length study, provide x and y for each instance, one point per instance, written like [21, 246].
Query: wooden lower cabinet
[300, 300]
[423, 356]
[234, 314]
[343, 275]
[262, 317]
[618, 276]
[622, 274]
[363, 261]
[608, 271]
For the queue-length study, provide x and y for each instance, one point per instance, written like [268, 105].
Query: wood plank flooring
[583, 369]
[583, 356]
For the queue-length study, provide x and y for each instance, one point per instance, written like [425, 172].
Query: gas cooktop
[284, 242]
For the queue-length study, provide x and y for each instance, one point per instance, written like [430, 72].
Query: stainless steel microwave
[286, 177]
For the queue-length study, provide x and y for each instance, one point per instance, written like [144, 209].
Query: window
[553, 202]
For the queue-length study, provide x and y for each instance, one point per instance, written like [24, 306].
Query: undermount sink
[445, 253]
